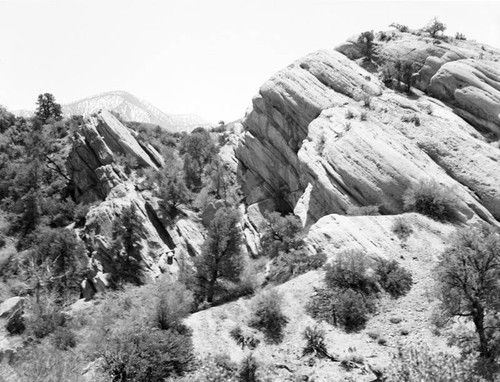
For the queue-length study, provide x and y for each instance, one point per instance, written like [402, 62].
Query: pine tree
[48, 108]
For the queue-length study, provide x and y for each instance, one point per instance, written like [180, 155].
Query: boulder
[10, 306]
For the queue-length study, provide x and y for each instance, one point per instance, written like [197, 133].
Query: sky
[205, 57]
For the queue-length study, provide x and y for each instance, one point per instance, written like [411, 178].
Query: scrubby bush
[321, 306]
[173, 303]
[15, 323]
[268, 315]
[400, 27]
[147, 355]
[44, 320]
[460, 36]
[349, 114]
[420, 364]
[294, 263]
[351, 270]
[63, 338]
[363, 210]
[243, 339]
[352, 310]
[282, 234]
[248, 369]
[393, 278]
[429, 198]
[401, 228]
[315, 344]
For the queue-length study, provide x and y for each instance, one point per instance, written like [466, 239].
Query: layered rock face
[325, 135]
[93, 165]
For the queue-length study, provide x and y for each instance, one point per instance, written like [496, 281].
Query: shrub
[413, 119]
[429, 198]
[268, 316]
[401, 228]
[282, 234]
[363, 116]
[321, 307]
[351, 270]
[63, 338]
[367, 100]
[294, 263]
[393, 278]
[460, 36]
[248, 369]
[352, 310]
[363, 210]
[420, 364]
[147, 355]
[243, 339]
[173, 303]
[400, 27]
[315, 345]
[43, 323]
[349, 114]
[15, 323]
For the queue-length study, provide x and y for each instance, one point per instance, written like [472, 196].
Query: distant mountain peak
[132, 108]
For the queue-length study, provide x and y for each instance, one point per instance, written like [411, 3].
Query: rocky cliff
[324, 134]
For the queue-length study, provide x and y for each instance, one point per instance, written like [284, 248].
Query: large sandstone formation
[324, 134]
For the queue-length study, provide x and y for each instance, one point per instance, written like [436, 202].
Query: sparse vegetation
[434, 26]
[268, 316]
[315, 342]
[399, 27]
[460, 36]
[402, 228]
[282, 234]
[429, 198]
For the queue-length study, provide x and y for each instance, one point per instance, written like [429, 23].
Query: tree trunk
[479, 323]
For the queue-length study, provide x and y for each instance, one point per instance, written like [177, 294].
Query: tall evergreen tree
[48, 108]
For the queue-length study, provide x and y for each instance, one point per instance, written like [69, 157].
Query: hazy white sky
[207, 57]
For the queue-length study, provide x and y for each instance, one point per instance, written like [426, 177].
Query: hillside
[323, 166]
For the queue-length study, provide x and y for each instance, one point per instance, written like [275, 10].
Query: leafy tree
[404, 73]
[6, 119]
[198, 150]
[57, 262]
[174, 191]
[221, 254]
[468, 275]
[366, 41]
[434, 26]
[48, 108]
[282, 234]
[126, 247]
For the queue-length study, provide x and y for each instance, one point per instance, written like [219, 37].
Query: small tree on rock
[434, 26]
[366, 41]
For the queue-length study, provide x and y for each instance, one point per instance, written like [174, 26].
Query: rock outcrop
[324, 134]
[92, 160]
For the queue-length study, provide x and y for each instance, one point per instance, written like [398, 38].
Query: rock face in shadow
[324, 135]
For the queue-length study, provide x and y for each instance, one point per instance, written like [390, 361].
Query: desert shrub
[363, 210]
[352, 310]
[363, 116]
[401, 228]
[404, 71]
[294, 263]
[393, 278]
[411, 118]
[268, 316]
[15, 323]
[460, 36]
[63, 338]
[248, 369]
[321, 306]
[367, 100]
[349, 114]
[44, 320]
[420, 364]
[243, 339]
[140, 354]
[400, 27]
[346, 308]
[315, 342]
[429, 198]
[45, 363]
[351, 270]
[173, 303]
